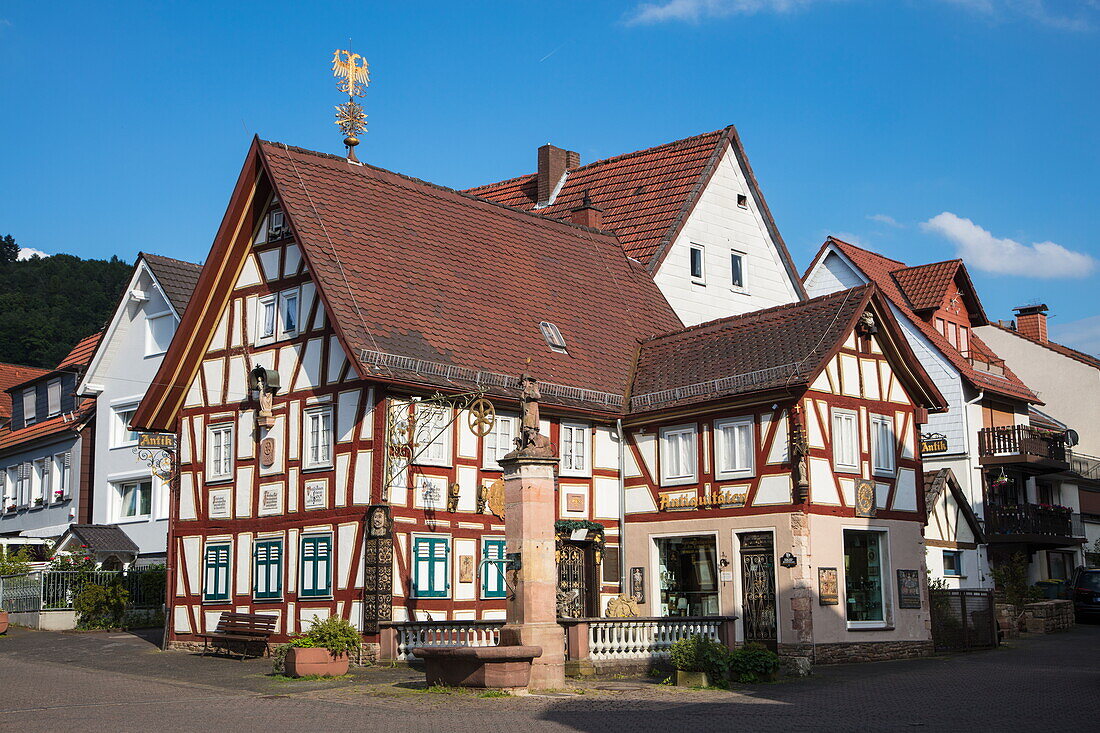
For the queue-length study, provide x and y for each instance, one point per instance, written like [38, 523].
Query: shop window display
[863, 577]
[688, 576]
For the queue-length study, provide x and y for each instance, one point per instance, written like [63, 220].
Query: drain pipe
[966, 423]
[622, 505]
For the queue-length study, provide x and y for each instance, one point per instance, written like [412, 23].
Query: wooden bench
[247, 628]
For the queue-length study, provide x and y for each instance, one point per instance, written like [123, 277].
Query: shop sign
[788, 560]
[828, 591]
[709, 500]
[933, 443]
[162, 441]
[908, 589]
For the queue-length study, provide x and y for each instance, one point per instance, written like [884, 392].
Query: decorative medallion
[267, 452]
[493, 498]
[482, 417]
[865, 498]
[465, 568]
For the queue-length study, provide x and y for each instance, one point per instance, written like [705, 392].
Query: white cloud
[983, 251]
[1083, 334]
[695, 10]
[1081, 18]
[25, 253]
[886, 219]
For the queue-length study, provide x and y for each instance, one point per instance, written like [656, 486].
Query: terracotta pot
[692, 679]
[302, 661]
[3, 622]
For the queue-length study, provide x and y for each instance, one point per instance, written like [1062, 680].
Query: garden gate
[962, 619]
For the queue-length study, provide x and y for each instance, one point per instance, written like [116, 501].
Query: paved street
[120, 682]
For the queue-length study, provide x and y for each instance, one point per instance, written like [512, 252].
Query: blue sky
[923, 129]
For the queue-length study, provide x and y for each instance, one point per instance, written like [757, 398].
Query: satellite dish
[1072, 438]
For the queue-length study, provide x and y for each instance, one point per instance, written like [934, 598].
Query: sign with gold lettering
[933, 443]
[723, 498]
[163, 441]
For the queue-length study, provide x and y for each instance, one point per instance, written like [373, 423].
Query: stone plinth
[504, 667]
[529, 513]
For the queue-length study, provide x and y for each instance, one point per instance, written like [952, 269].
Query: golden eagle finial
[354, 75]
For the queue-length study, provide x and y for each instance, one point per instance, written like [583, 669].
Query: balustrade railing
[1021, 440]
[413, 634]
[644, 638]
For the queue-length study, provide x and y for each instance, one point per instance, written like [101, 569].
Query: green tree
[9, 250]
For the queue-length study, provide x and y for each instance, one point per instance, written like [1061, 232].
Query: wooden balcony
[1033, 524]
[1039, 451]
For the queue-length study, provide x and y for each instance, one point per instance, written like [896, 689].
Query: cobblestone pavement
[120, 682]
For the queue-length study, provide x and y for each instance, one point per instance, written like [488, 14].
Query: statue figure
[621, 606]
[530, 442]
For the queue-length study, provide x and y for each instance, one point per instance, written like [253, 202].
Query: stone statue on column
[530, 442]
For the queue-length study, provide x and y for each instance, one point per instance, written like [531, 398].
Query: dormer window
[553, 337]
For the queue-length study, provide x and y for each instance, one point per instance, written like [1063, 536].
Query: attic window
[276, 225]
[553, 337]
[742, 201]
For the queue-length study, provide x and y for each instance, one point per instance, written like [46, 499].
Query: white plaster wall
[720, 225]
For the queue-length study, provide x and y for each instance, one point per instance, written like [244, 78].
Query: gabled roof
[176, 278]
[646, 196]
[935, 483]
[10, 376]
[50, 427]
[881, 270]
[81, 354]
[784, 347]
[99, 538]
[412, 271]
[925, 286]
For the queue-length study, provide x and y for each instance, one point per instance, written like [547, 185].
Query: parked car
[1084, 591]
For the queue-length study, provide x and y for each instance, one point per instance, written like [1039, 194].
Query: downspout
[622, 505]
[966, 424]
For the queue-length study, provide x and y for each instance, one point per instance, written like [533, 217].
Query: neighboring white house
[1069, 383]
[998, 458]
[126, 493]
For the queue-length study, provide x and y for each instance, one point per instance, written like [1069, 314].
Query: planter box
[692, 679]
[302, 661]
[3, 622]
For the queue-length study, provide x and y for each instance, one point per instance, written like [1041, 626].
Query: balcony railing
[1085, 466]
[1032, 519]
[984, 363]
[1004, 445]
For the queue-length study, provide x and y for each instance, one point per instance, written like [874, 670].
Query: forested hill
[47, 304]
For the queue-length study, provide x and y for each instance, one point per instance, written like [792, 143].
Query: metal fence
[55, 590]
[962, 619]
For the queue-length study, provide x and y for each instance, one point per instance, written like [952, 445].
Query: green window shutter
[430, 567]
[316, 566]
[492, 569]
[216, 581]
[267, 580]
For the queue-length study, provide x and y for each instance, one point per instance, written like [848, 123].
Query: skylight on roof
[553, 337]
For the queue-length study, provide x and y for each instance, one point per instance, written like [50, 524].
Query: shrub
[16, 563]
[699, 654]
[1010, 578]
[334, 634]
[753, 663]
[101, 606]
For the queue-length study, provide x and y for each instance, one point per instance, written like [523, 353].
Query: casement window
[845, 441]
[678, 455]
[219, 452]
[216, 573]
[733, 448]
[431, 571]
[492, 569]
[159, 330]
[61, 469]
[433, 431]
[576, 438]
[952, 563]
[121, 435]
[882, 445]
[135, 499]
[265, 318]
[499, 442]
[29, 416]
[697, 255]
[737, 270]
[964, 339]
[11, 487]
[316, 566]
[276, 225]
[24, 489]
[40, 487]
[53, 398]
[317, 438]
[288, 313]
[864, 571]
[267, 569]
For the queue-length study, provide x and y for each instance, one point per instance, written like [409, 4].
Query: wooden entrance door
[758, 588]
[576, 580]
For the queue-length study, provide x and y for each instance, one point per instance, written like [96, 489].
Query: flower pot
[3, 622]
[692, 679]
[302, 661]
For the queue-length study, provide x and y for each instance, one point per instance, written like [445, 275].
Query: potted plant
[698, 661]
[323, 650]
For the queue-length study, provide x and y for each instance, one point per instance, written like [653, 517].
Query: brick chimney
[553, 163]
[587, 214]
[1031, 321]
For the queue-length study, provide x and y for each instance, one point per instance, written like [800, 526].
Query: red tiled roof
[81, 354]
[422, 271]
[1056, 347]
[881, 270]
[926, 285]
[12, 375]
[645, 195]
[781, 347]
[67, 422]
